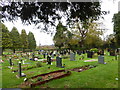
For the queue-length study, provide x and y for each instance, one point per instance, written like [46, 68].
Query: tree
[93, 39]
[110, 41]
[49, 12]
[86, 35]
[59, 38]
[24, 39]
[6, 39]
[16, 41]
[116, 20]
[31, 41]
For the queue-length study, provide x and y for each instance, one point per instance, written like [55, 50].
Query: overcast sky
[46, 39]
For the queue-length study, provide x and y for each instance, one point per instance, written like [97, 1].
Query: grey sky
[46, 39]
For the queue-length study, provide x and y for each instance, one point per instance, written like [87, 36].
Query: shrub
[95, 50]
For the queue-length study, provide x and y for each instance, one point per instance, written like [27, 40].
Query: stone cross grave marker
[72, 56]
[59, 62]
[101, 59]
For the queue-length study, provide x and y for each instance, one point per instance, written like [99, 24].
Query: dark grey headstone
[112, 52]
[101, 59]
[44, 55]
[72, 56]
[118, 51]
[89, 54]
[59, 62]
[49, 59]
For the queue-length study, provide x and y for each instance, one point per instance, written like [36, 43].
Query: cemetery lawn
[102, 76]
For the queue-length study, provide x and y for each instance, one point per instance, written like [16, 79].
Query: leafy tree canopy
[6, 40]
[116, 20]
[49, 12]
[60, 36]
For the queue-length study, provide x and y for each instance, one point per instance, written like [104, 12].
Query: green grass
[102, 76]
[0, 76]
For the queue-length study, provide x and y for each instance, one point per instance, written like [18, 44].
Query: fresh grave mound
[44, 78]
[83, 68]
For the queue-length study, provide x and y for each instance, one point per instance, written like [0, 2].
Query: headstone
[59, 62]
[52, 55]
[79, 52]
[89, 54]
[112, 52]
[108, 50]
[72, 56]
[10, 60]
[33, 55]
[49, 59]
[83, 52]
[118, 51]
[102, 52]
[39, 52]
[101, 59]
[44, 55]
